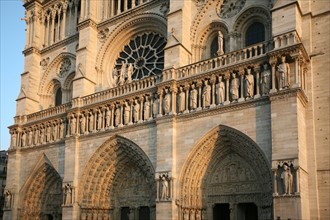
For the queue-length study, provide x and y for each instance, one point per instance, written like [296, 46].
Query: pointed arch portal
[226, 176]
[118, 180]
[42, 193]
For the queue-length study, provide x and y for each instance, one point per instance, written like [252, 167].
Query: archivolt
[42, 192]
[99, 178]
[51, 70]
[215, 146]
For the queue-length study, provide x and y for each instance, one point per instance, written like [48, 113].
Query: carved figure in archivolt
[193, 97]
[265, 79]
[155, 106]
[181, 100]
[249, 84]
[167, 102]
[127, 113]
[284, 74]
[234, 87]
[206, 94]
[146, 112]
[136, 111]
[287, 179]
[220, 90]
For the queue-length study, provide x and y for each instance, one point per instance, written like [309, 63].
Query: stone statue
[234, 86]
[99, 120]
[55, 131]
[117, 116]
[41, 135]
[127, 113]
[146, 112]
[193, 97]
[62, 129]
[181, 100]
[30, 139]
[284, 70]
[198, 214]
[48, 131]
[108, 120]
[155, 106]
[23, 139]
[82, 124]
[73, 125]
[8, 198]
[136, 111]
[220, 43]
[206, 95]
[165, 189]
[13, 139]
[249, 84]
[129, 73]
[220, 91]
[287, 179]
[167, 102]
[265, 80]
[186, 214]
[122, 73]
[91, 122]
[68, 194]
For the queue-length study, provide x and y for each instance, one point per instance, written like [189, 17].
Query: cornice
[31, 50]
[87, 23]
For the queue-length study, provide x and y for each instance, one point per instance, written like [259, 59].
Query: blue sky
[12, 37]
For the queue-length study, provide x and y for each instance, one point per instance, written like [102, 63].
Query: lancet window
[255, 34]
[115, 7]
[60, 21]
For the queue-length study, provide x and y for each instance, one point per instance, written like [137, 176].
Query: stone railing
[135, 86]
[48, 112]
[206, 85]
[226, 60]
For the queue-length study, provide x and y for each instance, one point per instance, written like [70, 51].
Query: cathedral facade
[172, 110]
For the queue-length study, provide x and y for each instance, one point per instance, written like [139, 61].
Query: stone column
[241, 74]
[213, 81]
[141, 109]
[273, 90]
[275, 182]
[257, 71]
[51, 33]
[186, 88]
[119, 7]
[199, 103]
[227, 78]
[297, 62]
[65, 6]
[297, 171]
[173, 91]
[160, 109]
[112, 109]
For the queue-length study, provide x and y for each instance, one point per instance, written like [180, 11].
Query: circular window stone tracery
[230, 8]
[145, 53]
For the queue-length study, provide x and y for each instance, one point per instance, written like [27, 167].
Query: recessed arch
[251, 15]
[207, 35]
[115, 169]
[42, 193]
[223, 166]
[121, 36]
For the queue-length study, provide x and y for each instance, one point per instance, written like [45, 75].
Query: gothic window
[58, 97]
[255, 34]
[145, 53]
[144, 213]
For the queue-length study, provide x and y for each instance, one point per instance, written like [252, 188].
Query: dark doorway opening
[144, 213]
[247, 211]
[221, 212]
[124, 215]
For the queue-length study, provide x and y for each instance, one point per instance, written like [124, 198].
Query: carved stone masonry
[286, 179]
[68, 194]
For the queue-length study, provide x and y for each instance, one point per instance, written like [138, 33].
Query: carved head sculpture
[283, 59]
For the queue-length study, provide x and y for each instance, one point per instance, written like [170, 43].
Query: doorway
[221, 212]
[247, 211]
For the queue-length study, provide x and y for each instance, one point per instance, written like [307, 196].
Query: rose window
[145, 53]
